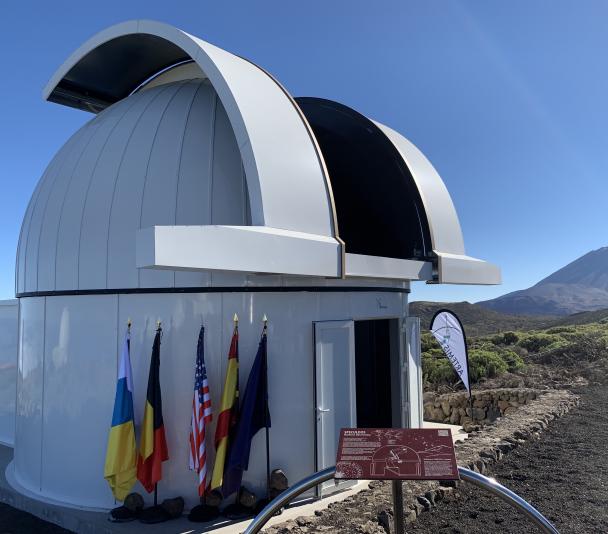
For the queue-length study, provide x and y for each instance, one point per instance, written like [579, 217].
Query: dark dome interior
[378, 206]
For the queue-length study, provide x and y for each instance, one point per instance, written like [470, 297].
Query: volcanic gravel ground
[564, 474]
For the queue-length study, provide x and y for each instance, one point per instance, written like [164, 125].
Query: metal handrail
[489, 484]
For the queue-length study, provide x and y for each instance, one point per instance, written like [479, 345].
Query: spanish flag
[153, 446]
[121, 454]
[229, 412]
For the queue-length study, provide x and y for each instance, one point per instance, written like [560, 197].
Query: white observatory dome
[202, 189]
[166, 155]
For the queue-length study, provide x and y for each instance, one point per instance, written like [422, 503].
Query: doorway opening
[377, 373]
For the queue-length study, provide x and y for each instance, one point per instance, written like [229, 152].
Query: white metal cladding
[9, 311]
[285, 174]
[165, 156]
[68, 354]
[261, 131]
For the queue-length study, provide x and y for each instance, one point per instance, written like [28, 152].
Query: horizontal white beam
[460, 269]
[257, 249]
[361, 266]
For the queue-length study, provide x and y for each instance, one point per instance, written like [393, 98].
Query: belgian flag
[153, 445]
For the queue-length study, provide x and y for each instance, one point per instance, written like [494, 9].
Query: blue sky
[507, 100]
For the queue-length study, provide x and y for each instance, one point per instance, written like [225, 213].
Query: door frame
[322, 490]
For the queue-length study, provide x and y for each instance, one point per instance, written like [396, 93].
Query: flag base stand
[159, 513]
[154, 514]
[122, 514]
[203, 513]
[237, 512]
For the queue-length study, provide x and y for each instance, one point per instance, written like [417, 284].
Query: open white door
[412, 374]
[335, 394]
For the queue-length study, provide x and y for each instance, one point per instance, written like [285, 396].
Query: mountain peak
[580, 286]
[590, 270]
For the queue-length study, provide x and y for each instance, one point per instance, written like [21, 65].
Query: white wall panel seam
[211, 163]
[247, 207]
[92, 177]
[45, 190]
[27, 224]
[181, 152]
[21, 263]
[42, 396]
[122, 157]
[140, 150]
[176, 89]
[212, 156]
[89, 130]
[158, 198]
[92, 128]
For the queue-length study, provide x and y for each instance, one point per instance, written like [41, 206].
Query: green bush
[428, 342]
[560, 329]
[507, 338]
[485, 364]
[437, 370]
[513, 360]
[537, 341]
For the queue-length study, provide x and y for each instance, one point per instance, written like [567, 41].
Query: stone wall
[488, 405]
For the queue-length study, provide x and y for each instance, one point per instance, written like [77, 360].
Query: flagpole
[265, 363]
[235, 321]
[159, 330]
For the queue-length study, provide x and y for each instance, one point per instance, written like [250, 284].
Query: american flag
[201, 416]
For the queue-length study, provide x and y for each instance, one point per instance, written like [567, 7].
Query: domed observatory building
[201, 188]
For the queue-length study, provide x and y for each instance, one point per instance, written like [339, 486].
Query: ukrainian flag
[121, 456]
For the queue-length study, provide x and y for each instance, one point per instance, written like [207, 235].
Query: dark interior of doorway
[374, 353]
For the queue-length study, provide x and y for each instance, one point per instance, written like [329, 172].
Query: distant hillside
[477, 320]
[598, 316]
[578, 287]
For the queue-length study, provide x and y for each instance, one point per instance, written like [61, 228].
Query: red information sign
[396, 454]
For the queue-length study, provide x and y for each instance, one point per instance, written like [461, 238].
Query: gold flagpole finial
[129, 323]
[158, 324]
[265, 321]
[236, 319]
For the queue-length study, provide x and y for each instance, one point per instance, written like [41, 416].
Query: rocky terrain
[563, 473]
[370, 511]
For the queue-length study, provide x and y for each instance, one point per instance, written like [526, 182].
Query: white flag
[448, 331]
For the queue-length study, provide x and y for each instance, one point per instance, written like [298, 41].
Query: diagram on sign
[401, 460]
[406, 454]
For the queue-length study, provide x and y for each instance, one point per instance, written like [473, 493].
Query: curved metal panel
[32, 237]
[126, 207]
[273, 139]
[453, 265]
[160, 184]
[92, 262]
[442, 218]
[165, 155]
[52, 212]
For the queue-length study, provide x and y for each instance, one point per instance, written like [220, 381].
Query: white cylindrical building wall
[9, 311]
[69, 347]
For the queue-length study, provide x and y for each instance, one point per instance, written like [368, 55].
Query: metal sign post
[396, 454]
[398, 516]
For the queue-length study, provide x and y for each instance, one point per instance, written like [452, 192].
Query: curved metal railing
[486, 483]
